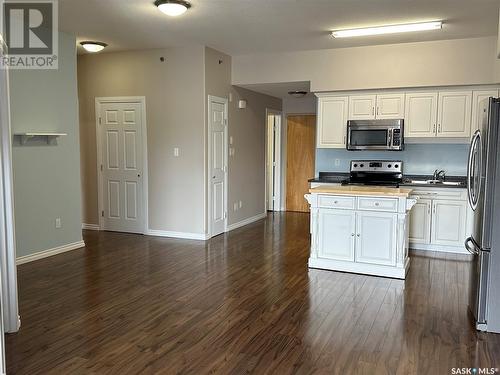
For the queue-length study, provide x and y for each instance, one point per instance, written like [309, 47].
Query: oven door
[369, 137]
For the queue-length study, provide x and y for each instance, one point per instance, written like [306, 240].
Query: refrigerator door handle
[473, 250]
[471, 195]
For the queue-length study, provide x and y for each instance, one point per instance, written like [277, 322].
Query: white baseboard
[183, 235]
[250, 220]
[438, 248]
[90, 226]
[50, 252]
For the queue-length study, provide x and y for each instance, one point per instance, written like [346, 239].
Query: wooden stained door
[301, 130]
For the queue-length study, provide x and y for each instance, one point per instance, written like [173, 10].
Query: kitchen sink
[434, 182]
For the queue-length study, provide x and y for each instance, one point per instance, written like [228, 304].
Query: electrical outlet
[337, 162]
[58, 223]
[231, 140]
[176, 151]
[235, 206]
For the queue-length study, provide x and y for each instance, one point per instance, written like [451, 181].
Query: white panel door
[421, 114]
[336, 234]
[362, 107]
[480, 104]
[448, 222]
[122, 164]
[376, 238]
[218, 166]
[454, 114]
[332, 122]
[390, 106]
[420, 222]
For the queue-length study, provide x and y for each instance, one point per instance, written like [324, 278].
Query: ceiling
[280, 90]
[239, 27]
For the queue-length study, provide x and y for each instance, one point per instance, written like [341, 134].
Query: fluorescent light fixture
[389, 29]
[173, 8]
[93, 46]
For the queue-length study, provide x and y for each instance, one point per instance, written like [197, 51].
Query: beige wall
[247, 128]
[449, 62]
[174, 92]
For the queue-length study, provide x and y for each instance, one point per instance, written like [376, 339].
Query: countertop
[338, 177]
[361, 190]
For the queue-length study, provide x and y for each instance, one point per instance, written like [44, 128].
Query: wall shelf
[49, 136]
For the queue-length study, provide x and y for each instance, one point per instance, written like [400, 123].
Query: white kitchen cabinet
[376, 238]
[448, 222]
[362, 107]
[337, 228]
[479, 104]
[421, 114]
[420, 222]
[454, 114]
[390, 106]
[332, 121]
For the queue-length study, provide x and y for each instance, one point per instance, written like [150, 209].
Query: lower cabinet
[440, 222]
[376, 238]
[363, 237]
[337, 228]
[448, 222]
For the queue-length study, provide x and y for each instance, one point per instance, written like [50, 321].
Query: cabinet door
[362, 107]
[332, 122]
[454, 114]
[390, 106]
[421, 114]
[420, 222]
[336, 234]
[448, 222]
[376, 238]
[479, 104]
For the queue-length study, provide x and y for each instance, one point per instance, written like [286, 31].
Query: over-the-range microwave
[381, 135]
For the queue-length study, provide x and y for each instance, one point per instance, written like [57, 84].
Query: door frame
[225, 101]
[100, 204]
[277, 151]
[9, 299]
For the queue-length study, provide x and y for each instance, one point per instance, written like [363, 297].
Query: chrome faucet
[439, 175]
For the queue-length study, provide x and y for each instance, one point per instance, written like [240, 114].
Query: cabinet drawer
[378, 204]
[333, 201]
[442, 193]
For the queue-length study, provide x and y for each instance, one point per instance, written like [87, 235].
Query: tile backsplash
[417, 158]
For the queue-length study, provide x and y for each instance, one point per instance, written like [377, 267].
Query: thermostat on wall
[242, 104]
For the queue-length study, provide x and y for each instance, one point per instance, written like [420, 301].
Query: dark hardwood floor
[241, 302]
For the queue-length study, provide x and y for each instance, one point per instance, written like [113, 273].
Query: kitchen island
[360, 229]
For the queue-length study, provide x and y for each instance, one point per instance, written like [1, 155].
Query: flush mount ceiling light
[172, 8]
[389, 29]
[93, 46]
[297, 93]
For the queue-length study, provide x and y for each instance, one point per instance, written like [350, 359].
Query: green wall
[47, 177]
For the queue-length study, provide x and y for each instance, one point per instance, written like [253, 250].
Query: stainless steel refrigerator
[483, 188]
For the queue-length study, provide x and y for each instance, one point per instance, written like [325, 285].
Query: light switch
[231, 140]
[176, 151]
[58, 223]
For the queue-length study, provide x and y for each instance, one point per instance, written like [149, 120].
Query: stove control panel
[387, 166]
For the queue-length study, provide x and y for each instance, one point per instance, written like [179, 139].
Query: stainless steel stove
[375, 172]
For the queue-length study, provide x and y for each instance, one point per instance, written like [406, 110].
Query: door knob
[359, 235]
[139, 175]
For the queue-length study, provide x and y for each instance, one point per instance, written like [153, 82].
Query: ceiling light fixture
[172, 8]
[93, 46]
[297, 93]
[389, 29]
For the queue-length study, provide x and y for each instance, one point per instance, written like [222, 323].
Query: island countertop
[361, 190]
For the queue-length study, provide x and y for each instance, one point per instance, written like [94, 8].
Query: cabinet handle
[373, 110]
[335, 202]
[359, 235]
[378, 109]
[434, 128]
[439, 128]
[352, 234]
[377, 204]
[345, 139]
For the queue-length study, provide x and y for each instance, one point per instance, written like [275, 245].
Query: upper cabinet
[362, 107]
[445, 114]
[382, 106]
[421, 114]
[390, 106]
[332, 121]
[480, 104]
[454, 114]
